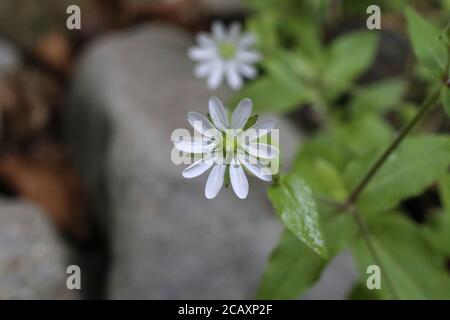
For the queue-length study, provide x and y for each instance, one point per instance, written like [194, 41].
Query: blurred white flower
[225, 54]
[227, 147]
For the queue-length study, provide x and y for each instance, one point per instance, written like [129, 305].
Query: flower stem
[429, 103]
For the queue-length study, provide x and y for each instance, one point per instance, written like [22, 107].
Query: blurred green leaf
[323, 146]
[294, 203]
[415, 271]
[361, 292]
[438, 227]
[429, 49]
[269, 95]
[414, 166]
[363, 133]
[343, 65]
[445, 99]
[378, 97]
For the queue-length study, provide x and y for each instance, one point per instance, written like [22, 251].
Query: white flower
[227, 147]
[225, 54]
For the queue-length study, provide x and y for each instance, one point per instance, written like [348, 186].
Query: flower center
[227, 50]
[230, 142]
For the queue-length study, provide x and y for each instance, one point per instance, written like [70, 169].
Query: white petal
[215, 181]
[203, 69]
[234, 32]
[239, 181]
[247, 40]
[218, 31]
[202, 124]
[262, 150]
[233, 78]
[241, 114]
[247, 70]
[194, 145]
[198, 168]
[254, 167]
[218, 114]
[216, 76]
[261, 128]
[248, 56]
[204, 40]
[200, 53]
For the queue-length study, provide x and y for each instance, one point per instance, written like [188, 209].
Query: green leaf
[415, 271]
[378, 97]
[437, 228]
[444, 191]
[361, 292]
[363, 133]
[343, 66]
[322, 177]
[295, 205]
[269, 95]
[417, 163]
[429, 50]
[445, 99]
[293, 267]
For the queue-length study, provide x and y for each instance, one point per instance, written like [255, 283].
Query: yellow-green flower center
[230, 142]
[227, 50]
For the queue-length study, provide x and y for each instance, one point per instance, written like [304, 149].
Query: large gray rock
[32, 258]
[8, 57]
[167, 241]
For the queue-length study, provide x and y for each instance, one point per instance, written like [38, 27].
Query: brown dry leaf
[27, 101]
[56, 50]
[45, 178]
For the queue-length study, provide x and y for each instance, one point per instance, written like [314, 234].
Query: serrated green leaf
[295, 205]
[445, 99]
[415, 271]
[418, 162]
[343, 67]
[430, 51]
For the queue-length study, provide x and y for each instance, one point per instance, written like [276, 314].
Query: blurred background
[85, 176]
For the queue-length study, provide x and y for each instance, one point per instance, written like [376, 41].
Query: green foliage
[292, 269]
[429, 49]
[445, 98]
[342, 68]
[415, 271]
[295, 205]
[302, 65]
[417, 163]
[378, 97]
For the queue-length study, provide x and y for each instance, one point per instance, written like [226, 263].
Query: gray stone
[336, 281]
[32, 257]
[8, 57]
[131, 90]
